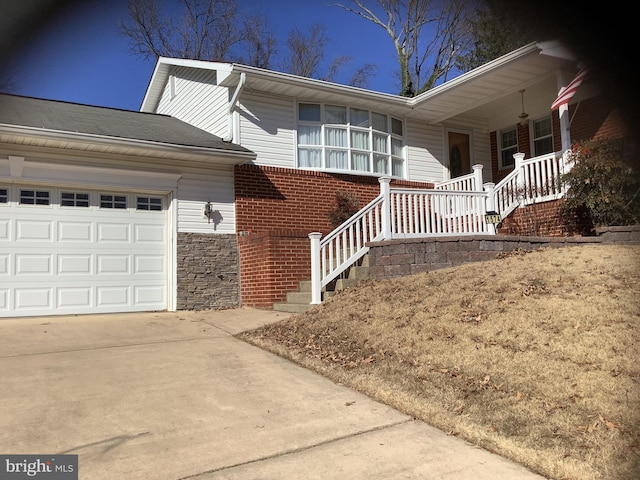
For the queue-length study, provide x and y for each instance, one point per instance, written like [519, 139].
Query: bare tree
[361, 76]
[306, 51]
[216, 30]
[207, 29]
[261, 43]
[424, 57]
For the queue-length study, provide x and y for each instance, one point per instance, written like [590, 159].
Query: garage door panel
[5, 230]
[75, 231]
[113, 264]
[34, 264]
[4, 299]
[37, 298]
[86, 259]
[75, 297]
[114, 232]
[5, 263]
[149, 264]
[149, 295]
[113, 296]
[30, 230]
[75, 264]
[150, 233]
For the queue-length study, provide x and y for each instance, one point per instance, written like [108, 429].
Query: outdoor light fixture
[208, 211]
[523, 116]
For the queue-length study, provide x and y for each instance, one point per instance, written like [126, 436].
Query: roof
[478, 92]
[107, 123]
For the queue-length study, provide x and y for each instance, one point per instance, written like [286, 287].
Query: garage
[75, 251]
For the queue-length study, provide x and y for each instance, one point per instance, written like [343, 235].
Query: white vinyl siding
[192, 96]
[267, 128]
[423, 151]
[195, 191]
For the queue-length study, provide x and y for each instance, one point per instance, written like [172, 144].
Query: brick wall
[207, 271]
[274, 263]
[276, 209]
[537, 219]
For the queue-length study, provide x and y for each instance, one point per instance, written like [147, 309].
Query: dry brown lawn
[533, 355]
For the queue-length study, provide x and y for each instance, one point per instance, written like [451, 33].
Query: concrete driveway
[158, 396]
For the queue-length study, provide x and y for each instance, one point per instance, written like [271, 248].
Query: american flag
[569, 91]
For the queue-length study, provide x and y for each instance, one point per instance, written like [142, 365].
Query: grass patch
[533, 355]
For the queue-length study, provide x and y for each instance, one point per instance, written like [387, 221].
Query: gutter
[232, 105]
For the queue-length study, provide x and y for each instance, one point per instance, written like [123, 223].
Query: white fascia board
[474, 74]
[160, 77]
[318, 85]
[204, 152]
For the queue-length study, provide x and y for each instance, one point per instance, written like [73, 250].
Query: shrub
[601, 185]
[346, 206]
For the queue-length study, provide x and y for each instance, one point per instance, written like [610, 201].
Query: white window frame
[392, 150]
[535, 139]
[502, 148]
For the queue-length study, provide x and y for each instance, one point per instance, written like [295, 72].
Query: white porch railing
[454, 207]
[532, 180]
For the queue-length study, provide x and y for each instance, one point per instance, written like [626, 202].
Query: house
[207, 196]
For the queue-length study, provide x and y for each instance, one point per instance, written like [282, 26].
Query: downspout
[232, 106]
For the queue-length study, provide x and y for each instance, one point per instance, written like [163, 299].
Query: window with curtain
[336, 137]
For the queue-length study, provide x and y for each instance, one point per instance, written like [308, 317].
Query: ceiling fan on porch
[523, 116]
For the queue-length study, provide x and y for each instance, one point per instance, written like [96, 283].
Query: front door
[459, 154]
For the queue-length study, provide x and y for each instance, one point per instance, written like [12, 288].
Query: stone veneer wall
[398, 258]
[207, 271]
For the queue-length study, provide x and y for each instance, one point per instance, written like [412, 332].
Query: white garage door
[67, 251]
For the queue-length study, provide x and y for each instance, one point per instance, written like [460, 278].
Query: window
[113, 201]
[74, 199]
[542, 136]
[35, 197]
[149, 203]
[4, 195]
[337, 137]
[508, 146]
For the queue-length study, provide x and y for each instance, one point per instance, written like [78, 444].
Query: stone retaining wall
[397, 258]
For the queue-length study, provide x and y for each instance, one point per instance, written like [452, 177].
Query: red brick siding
[541, 219]
[273, 264]
[272, 198]
[276, 209]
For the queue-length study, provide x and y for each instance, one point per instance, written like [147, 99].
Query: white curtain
[360, 140]
[309, 158]
[360, 161]
[336, 137]
[308, 135]
[380, 143]
[338, 159]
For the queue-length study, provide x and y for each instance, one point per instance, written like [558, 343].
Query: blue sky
[84, 59]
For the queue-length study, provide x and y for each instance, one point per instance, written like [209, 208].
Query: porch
[460, 209]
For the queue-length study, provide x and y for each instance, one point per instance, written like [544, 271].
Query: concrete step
[291, 307]
[298, 297]
[299, 301]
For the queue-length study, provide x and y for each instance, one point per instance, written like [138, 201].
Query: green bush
[346, 206]
[601, 184]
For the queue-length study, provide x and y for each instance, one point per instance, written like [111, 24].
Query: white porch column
[477, 174]
[518, 157]
[385, 191]
[316, 277]
[490, 204]
[563, 114]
